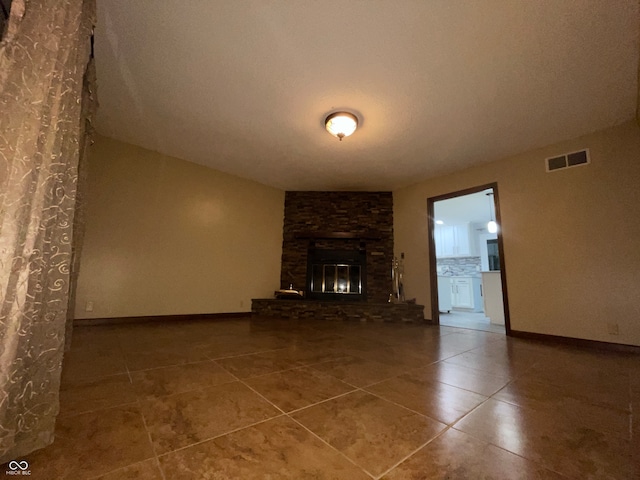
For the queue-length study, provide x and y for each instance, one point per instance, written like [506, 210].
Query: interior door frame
[433, 272]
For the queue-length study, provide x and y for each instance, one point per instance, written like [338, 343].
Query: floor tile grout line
[147, 398]
[297, 367]
[332, 447]
[172, 365]
[355, 389]
[220, 435]
[406, 408]
[301, 408]
[485, 441]
[254, 390]
[383, 399]
[438, 435]
[258, 352]
[95, 410]
[545, 411]
[436, 381]
[95, 477]
[153, 446]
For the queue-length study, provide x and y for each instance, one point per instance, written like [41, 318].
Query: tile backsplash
[458, 266]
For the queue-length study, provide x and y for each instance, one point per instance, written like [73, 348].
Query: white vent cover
[568, 160]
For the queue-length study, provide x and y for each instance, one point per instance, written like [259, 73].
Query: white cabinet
[466, 293]
[444, 294]
[453, 240]
[461, 295]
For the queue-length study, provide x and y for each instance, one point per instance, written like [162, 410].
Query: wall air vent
[573, 159]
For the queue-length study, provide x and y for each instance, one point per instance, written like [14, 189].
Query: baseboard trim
[576, 342]
[159, 318]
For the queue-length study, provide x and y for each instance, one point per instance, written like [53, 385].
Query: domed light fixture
[341, 124]
[492, 226]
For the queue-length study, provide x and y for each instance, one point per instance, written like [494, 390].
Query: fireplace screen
[336, 275]
[336, 278]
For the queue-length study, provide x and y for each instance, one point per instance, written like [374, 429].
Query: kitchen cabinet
[453, 240]
[466, 293]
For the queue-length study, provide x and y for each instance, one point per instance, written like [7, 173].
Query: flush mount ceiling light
[341, 124]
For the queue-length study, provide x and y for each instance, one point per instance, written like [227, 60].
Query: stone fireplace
[337, 248]
[357, 224]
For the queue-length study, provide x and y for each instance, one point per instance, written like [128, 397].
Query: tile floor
[472, 320]
[266, 399]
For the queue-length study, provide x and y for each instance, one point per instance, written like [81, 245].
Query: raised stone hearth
[338, 311]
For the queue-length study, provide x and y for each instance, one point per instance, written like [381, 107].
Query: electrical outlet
[241, 303]
[612, 328]
[89, 306]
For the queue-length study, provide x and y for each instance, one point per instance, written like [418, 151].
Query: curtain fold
[43, 64]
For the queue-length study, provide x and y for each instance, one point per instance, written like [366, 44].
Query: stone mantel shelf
[336, 235]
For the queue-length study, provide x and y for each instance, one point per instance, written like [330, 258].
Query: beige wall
[165, 236]
[571, 238]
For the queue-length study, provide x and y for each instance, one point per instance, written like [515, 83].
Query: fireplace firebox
[336, 275]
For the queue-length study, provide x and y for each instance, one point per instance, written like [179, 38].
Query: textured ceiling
[244, 86]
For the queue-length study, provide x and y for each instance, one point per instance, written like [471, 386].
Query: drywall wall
[165, 237]
[570, 237]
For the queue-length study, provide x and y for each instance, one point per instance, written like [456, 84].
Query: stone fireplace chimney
[342, 238]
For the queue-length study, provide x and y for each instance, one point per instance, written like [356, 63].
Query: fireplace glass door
[336, 278]
[335, 275]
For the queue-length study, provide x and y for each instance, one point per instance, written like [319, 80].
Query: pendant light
[492, 226]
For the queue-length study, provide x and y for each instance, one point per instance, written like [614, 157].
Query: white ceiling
[472, 208]
[244, 86]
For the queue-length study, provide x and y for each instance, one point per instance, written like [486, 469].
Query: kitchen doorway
[467, 267]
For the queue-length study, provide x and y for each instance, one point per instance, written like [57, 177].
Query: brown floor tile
[456, 455]
[437, 400]
[163, 357]
[293, 389]
[88, 364]
[597, 385]
[462, 377]
[308, 353]
[102, 337]
[246, 366]
[180, 420]
[87, 395]
[93, 444]
[406, 357]
[488, 364]
[518, 358]
[561, 400]
[357, 371]
[178, 379]
[552, 441]
[372, 432]
[465, 340]
[278, 448]
[147, 470]
[231, 345]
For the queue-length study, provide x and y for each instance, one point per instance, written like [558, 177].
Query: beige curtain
[44, 57]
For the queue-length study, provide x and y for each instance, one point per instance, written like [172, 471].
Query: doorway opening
[467, 265]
